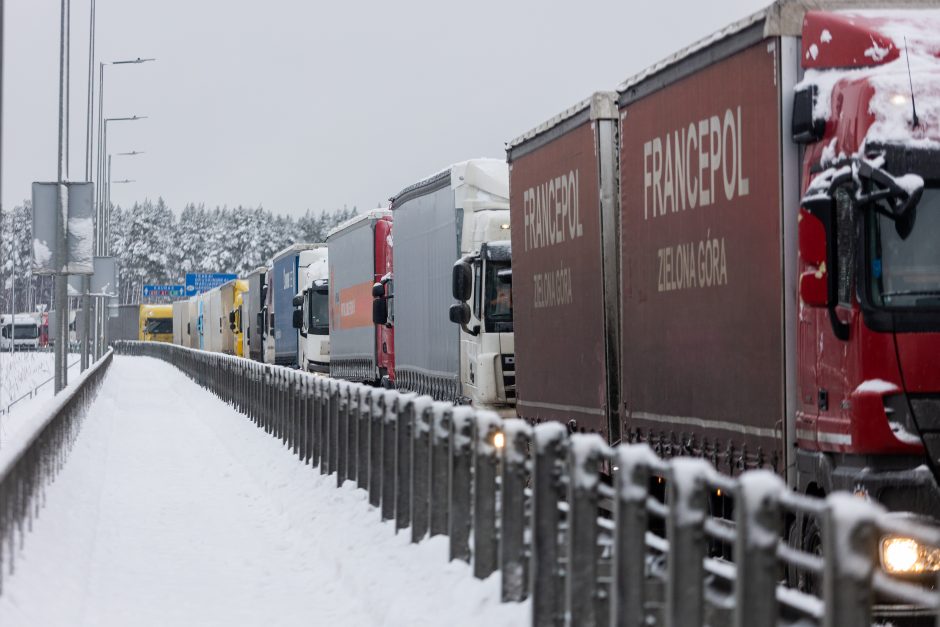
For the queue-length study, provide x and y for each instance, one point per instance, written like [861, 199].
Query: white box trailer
[180, 321]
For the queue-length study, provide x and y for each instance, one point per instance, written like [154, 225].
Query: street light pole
[104, 218]
[61, 280]
[86, 279]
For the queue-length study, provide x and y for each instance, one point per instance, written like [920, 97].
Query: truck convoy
[731, 256]
[458, 216]
[362, 345]
[739, 250]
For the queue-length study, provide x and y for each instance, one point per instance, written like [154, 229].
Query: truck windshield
[906, 272]
[159, 325]
[318, 322]
[22, 332]
[497, 313]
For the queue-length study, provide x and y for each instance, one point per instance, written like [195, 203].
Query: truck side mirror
[298, 301]
[231, 319]
[378, 290]
[462, 281]
[379, 310]
[817, 244]
[804, 128]
[460, 313]
[298, 319]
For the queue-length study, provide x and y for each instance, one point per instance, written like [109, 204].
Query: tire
[812, 544]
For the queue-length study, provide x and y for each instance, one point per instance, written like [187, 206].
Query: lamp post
[101, 124]
[100, 244]
[104, 219]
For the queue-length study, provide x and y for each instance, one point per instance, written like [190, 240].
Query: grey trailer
[125, 325]
[427, 243]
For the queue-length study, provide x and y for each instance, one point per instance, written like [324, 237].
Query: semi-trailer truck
[286, 270]
[456, 218]
[740, 247]
[362, 344]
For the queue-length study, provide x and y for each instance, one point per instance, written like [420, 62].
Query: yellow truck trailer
[156, 323]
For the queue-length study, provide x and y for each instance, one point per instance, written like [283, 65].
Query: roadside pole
[61, 279]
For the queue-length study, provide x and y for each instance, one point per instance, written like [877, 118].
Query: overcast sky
[300, 104]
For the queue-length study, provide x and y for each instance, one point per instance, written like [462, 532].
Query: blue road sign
[174, 291]
[197, 283]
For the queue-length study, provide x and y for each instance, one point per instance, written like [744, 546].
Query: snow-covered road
[175, 510]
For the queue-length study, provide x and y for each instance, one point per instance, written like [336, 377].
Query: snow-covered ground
[20, 373]
[175, 510]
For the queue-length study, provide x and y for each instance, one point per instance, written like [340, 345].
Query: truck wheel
[812, 544]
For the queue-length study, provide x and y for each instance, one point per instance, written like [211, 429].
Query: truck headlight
[499, 440]
[901, 555]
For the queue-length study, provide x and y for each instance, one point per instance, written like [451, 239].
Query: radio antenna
[910, 79]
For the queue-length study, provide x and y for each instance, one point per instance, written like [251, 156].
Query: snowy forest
[154, 245]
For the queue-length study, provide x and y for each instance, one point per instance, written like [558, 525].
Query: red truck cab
[868, 336]
[384, 292]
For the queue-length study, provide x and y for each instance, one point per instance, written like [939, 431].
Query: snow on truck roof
[600, 105]
[485, 174]
[372, 214]
[296, 248]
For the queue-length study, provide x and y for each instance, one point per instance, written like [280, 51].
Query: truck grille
[508, 363]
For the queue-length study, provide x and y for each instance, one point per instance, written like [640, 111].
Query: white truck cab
[19, 332]
[312, 311]
[482, 283]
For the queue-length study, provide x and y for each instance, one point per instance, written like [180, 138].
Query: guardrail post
[363, 458]
[308, 401]
[548, 607]
[421, 468]
[687, 496]
[323, 424]
[440, 467]
[342, 433]
[389, 426]
[585, 455]
[631, 468]
[403, 428]
[758, 526]
[512, 550]
[461, 464]
[292, 413]
[850, 539]
[376, 418]
[352, 434]
[485, 461]
[333, 434]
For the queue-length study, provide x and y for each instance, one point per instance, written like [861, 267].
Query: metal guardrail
[32, 391]
[30, 462]
[530, 508]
